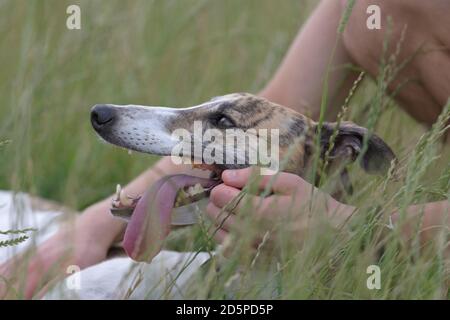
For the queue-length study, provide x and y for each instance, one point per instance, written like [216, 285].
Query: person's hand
[32, 272]
[289, 195]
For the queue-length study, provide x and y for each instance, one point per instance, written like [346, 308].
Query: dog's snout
[101, 115]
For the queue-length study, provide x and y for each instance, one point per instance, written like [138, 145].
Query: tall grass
[179, 53]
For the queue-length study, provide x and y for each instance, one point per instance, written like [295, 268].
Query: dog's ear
[348, 144]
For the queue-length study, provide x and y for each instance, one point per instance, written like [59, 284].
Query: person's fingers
[222, 220]
[281, 182]
[223, 194]
[219, 235]
[226, 241]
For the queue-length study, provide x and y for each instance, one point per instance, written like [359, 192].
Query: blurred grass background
[160, 52]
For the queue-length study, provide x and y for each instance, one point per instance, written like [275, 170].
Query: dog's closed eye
[221, 121]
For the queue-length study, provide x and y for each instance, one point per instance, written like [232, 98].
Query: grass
[179, 53]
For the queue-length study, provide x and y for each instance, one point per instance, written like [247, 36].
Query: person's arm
[84, 241]
[432, 218]
[298, 82]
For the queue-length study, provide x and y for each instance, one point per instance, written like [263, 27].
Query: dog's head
[151, 130]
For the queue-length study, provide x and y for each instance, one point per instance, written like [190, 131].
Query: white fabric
[167, 276]
[16, 213]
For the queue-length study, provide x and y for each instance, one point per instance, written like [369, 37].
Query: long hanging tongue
[150, 221]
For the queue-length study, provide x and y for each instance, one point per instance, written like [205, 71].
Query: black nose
[101, 115]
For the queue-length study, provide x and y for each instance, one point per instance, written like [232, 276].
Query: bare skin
[426, 26]
[298, 84]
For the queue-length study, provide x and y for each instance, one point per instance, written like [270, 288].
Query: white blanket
[167, 276]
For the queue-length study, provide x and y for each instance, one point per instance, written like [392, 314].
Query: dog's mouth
[169, 192]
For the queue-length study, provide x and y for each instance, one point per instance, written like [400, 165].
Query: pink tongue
[160, 199]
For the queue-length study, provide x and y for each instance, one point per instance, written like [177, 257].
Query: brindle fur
[297, 133]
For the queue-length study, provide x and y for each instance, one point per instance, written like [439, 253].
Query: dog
[149, 130]
[299, 140]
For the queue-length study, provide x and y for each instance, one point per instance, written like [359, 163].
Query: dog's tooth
[117, 194]
[124, 200]
[121, 196]
[115, 203]
[198, 188]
